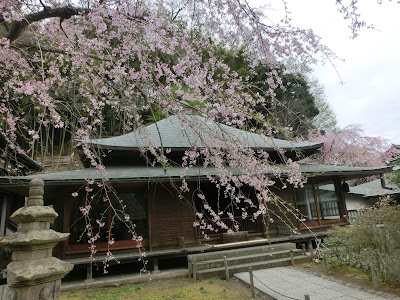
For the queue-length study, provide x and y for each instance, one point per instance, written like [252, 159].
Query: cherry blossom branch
[350, 12]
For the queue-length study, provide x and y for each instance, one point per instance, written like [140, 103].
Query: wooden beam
[151, 191]
[66, 221]
[3, 216]
[316, 203]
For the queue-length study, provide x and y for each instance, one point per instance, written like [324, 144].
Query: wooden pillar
[324, 264]
[194, 269]
[316, 203]
[3, 216]
[149, 209]
[253, 293]
[292, 258]
[226, 268]
[66, 221]
[89, 273]
[309, 245]
[155, 265]
[341, 197]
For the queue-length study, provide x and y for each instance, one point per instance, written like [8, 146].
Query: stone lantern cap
[33, 239]
[27, 273]
[34, 214]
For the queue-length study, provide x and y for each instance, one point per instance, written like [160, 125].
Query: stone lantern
[34, 273]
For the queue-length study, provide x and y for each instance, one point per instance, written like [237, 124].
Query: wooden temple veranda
[166, 220]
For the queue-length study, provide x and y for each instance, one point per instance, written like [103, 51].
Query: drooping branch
[20, 45]
[66, 12]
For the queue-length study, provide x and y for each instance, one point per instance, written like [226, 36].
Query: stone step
[249, 258]
[241, 252]
[220, 271]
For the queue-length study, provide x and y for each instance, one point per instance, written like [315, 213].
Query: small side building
[367, 194]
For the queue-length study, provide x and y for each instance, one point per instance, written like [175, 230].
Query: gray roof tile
[169, 133]
[143, 174]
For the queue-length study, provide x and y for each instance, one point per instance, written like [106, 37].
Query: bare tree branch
[63, 13]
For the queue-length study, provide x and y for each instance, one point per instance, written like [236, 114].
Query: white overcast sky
[370, 95]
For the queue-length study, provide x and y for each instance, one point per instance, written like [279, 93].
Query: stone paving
[287, 283]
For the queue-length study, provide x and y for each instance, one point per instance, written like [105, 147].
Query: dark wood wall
[283, 219]
[170, 217]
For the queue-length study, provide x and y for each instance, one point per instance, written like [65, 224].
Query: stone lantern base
[44, 291]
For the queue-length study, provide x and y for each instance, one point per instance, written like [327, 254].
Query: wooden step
[266, 249]
[219, 272]
[249, 258]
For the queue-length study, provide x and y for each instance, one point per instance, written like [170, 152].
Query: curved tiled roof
[169, 133]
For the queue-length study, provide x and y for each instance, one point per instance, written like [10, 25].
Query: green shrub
[373, 238]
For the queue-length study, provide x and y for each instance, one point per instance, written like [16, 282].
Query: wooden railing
[252, 226]
[352, 214]
[355, 213]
